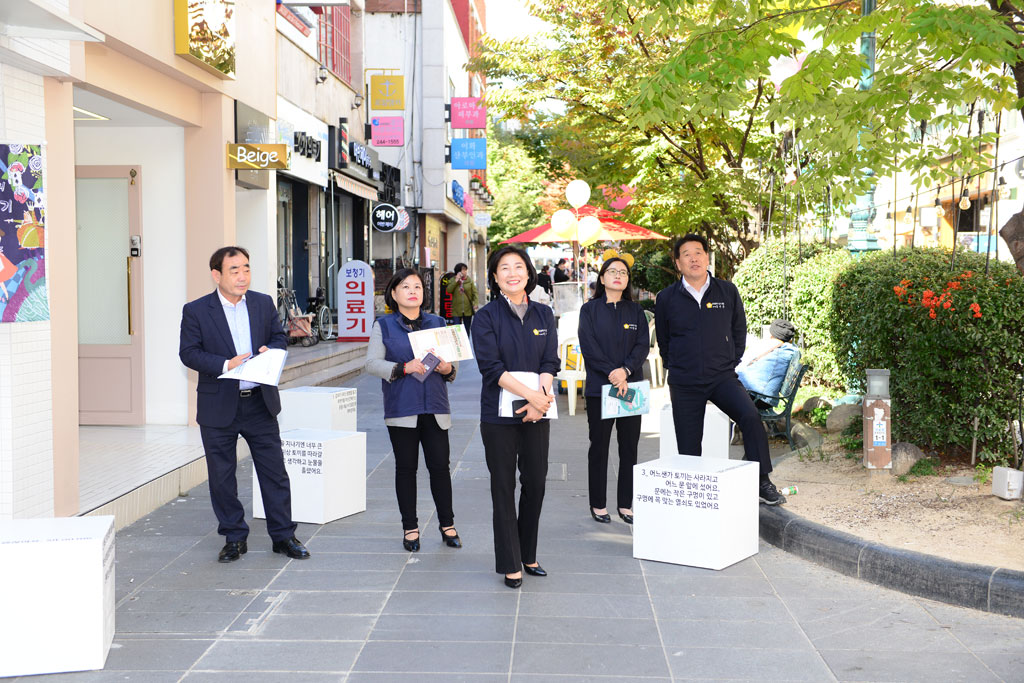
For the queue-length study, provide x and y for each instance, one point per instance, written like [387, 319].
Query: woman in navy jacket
[615, 341]
[510, 334]
[415, 412]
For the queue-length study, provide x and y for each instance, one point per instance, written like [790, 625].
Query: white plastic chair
[654, 359]
[569, 375]
[568, 326]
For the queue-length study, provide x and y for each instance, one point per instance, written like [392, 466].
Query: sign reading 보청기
[259, 157]
[355, 302]
[387, 91]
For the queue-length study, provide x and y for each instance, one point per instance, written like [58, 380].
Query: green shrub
[852, 437]
[952, 341]
[810, 299]
[765, 276]
[819, 416]
[925, 467]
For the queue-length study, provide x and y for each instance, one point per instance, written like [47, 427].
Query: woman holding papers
[516, 346]
[416, 409]
[615, 341]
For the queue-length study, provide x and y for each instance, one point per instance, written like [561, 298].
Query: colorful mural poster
[22, 235]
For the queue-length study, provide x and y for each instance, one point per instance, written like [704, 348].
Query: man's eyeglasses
[619, 273]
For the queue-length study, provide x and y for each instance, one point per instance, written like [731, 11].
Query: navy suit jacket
[206, 343]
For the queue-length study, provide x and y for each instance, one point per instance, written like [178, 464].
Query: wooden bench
[774, 415]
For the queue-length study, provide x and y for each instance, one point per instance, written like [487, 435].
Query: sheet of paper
[263, 368]
[449, 343]
[505, 398]
[613, 407]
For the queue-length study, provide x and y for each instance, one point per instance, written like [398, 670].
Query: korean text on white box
[331, 408]
[327, 472]
[700, 512]
[57, 594]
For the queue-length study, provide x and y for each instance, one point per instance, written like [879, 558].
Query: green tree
[517, 184]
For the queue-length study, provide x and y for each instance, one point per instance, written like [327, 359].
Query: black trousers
[689, 402]
[627, 433]
[254, 423]
[466, 320]
[506, 447]
[406, 443]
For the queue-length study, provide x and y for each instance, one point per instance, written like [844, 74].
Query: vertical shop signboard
[469, 154]
[467, 112]
[387, 131]
[22, 235]
[355, 302]
[445, 310]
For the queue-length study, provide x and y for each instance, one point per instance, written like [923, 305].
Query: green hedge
[951, 339]
[765, 278]
[810, 304]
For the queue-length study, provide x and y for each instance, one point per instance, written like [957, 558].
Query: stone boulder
[841, 416]
[815, 402]
[904, 455]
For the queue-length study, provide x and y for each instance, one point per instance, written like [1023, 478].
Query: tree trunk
[1013, 234]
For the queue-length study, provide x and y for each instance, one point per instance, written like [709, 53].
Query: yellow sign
[257, 157]
[204, 34]
[387, 91]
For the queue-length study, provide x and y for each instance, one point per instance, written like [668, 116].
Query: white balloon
[590, 229]
[578, 193]
[563, 223]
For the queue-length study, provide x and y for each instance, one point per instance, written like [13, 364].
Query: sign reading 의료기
[257, 157]
[355, 302]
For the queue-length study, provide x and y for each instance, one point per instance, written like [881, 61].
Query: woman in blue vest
[513, 334]
[415, 412]
[615, 341]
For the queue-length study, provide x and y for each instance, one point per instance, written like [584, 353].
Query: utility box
[716, 438]
[327, 472]
[57, 594]
[330, 408]
[1007, 483]
[700, 512]
[877, 422]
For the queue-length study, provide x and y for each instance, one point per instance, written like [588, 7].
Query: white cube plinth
[327, 472]
[700, 512]
[57, 594]
[330, 408]
[715, 442]
[1007, 483]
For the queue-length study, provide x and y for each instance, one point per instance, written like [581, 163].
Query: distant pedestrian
[463, 293]
[544, 280]
[415, 412]
[702, 329]
[218, 333]
[562, 271]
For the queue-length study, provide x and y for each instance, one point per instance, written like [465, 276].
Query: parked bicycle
[323, 322]
[297, 325]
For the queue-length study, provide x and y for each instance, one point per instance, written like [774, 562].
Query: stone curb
[991, 589]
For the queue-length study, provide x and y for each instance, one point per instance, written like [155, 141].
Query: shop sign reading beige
[257, 157]
[204, 33]
[387, 91]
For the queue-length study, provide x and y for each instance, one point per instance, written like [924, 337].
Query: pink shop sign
[387, 131]
[467, 112]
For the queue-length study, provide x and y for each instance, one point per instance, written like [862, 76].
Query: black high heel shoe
[535, 571]
[452, 541]
[412, 545]
[604, 519]
[513, 583]
[628, 519]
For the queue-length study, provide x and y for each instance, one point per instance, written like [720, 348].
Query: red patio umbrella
[612, 229]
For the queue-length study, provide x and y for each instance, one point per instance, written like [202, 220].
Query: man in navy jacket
[702, 330]
[219, 332]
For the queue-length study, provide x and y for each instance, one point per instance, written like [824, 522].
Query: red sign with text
[355, 302]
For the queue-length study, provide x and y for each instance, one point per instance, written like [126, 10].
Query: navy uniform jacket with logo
[502, 342]
[700, 343]
[613, 336]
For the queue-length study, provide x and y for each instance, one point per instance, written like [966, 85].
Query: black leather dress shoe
[513, 583]
[628, 519]
[451, 540]
[292, 548]
[232, 550]
[604, 519]
[535, 571]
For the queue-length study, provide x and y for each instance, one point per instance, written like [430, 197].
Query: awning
[353, 186]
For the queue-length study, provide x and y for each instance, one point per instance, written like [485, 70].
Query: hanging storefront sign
[204, 34]
[467, 112]
[482, 219]
[384, 217]
[458, 193]
[390, 184]
[257, 157]
[387, 92]
[253, 127]
[22, 235]
[387, 131]
[355, 302]
[469, 154]
[467, 203]
[307, 140]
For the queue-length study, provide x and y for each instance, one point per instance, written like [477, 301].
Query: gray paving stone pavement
[363, 609]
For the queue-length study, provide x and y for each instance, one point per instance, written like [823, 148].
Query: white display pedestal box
[57, 594]
[717, 433]
[327, 472]
[701, 512]
[332, 408]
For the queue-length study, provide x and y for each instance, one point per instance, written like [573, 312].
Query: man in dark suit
[218, 333]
